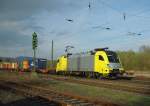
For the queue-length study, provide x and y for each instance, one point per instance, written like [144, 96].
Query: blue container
[42, 63]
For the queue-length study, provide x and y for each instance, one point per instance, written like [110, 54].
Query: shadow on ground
[31, 101]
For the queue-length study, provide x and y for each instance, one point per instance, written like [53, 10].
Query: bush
[139, 60]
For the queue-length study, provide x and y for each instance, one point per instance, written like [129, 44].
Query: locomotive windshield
[112, 57]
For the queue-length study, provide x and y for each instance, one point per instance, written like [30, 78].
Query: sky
[117, 24]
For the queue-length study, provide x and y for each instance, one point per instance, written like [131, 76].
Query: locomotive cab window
[101, 58]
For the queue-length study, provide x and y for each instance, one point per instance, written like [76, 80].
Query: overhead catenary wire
[124, 14]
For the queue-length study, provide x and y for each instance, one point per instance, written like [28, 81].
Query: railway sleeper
[78, 102]
[71, 100]
[87, 104]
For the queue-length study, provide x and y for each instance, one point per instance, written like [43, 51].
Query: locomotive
[100, 62]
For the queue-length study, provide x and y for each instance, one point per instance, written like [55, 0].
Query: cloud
[20, 18]
[23, 9]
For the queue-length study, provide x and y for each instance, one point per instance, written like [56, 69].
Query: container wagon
[7, 63]
[97, 63]
[41, 65]
[27, 64]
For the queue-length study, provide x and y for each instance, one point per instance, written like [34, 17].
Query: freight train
[100, 62]
[22, 63]
[97, 63]
[8, 64]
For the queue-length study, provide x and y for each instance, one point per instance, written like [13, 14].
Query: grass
[121, 97]
[115, 96]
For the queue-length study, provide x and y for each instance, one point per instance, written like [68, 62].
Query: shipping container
[3, 66]
[14, 66]
[24, 63]
[42, 63]
[6, 63]
[27, 64]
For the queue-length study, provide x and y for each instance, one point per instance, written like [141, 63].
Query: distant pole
[52, 54]
[34, 59]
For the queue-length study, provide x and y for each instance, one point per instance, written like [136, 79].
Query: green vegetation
[139, 60]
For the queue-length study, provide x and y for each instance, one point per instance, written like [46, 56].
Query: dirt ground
[140, 73]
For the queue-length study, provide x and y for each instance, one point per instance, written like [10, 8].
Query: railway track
[63, 99]
[135, 86]
[29, 100]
